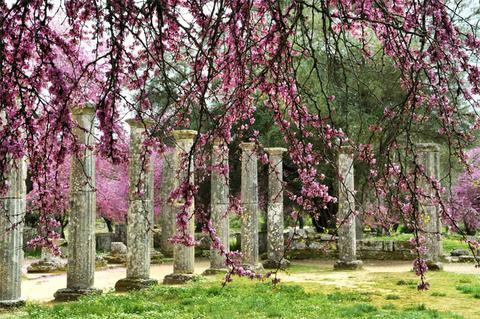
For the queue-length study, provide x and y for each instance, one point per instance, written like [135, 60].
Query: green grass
[450, 244]
[242, 299]
[470, 289]
[36, 253]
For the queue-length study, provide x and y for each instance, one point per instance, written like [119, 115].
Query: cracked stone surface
[428, 156]
[347, 245]
[219, 205]
[275, 239]
[81, 245]
[249, 201]
[12, 211]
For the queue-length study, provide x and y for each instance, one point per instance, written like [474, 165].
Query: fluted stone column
[183, 256]
[140, 212]
[167, 218]
[81, 242]
[249, 201]
[346, 244]
[219, 206]
[12, 212]
[428, 156]
[275, 240]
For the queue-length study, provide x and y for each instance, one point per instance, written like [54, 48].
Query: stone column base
[274, 264]
[11, 303]
[434, 265]
[215, 271]
[178, 279]
[348, 265]
[69, 294]
[128, 284]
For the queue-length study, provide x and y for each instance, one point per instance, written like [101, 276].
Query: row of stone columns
[81, 255]
[428, 158]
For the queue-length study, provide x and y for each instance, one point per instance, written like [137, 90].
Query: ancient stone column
[346, 244]
[428, 157]
[183, 256]
[140, 212]
[12, 212]
[81, 240]
[275, 240]
[249, 201]
[167, 218]
[219, 206]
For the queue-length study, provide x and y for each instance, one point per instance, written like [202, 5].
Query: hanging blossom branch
[224, 60]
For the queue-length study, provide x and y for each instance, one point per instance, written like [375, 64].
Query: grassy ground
[239, 300]
[367, 295]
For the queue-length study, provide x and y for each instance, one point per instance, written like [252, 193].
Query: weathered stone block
[128, 284]
[400, 245]
[69, 294]
[348, 265]
[388, 245]
[178, 279]
[460, 252]
[376, 245]
[103, 241]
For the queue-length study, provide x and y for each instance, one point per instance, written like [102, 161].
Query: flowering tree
[465, 202]
[237, 57]
[111, 191]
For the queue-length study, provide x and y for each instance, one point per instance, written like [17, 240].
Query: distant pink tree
[111, 185]
[465, 201]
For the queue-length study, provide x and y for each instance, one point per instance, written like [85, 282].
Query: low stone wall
[307, 243]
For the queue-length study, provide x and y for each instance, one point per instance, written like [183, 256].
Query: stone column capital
[184, 134]
[427, 147]
[86, 109]
[139, 123]
[273, 151]
[345, 149]
[219, 141]
[247, 146]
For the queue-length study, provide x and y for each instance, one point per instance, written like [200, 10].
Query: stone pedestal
[347, 246]
[103, 241]
[183, 256]
[275, 240]
[249, 201]
[118, 253]
[140, 212]
[12, 212]
[219, 203]
[81, 240]
[48, 262]
[167, 218]
[428, 157]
